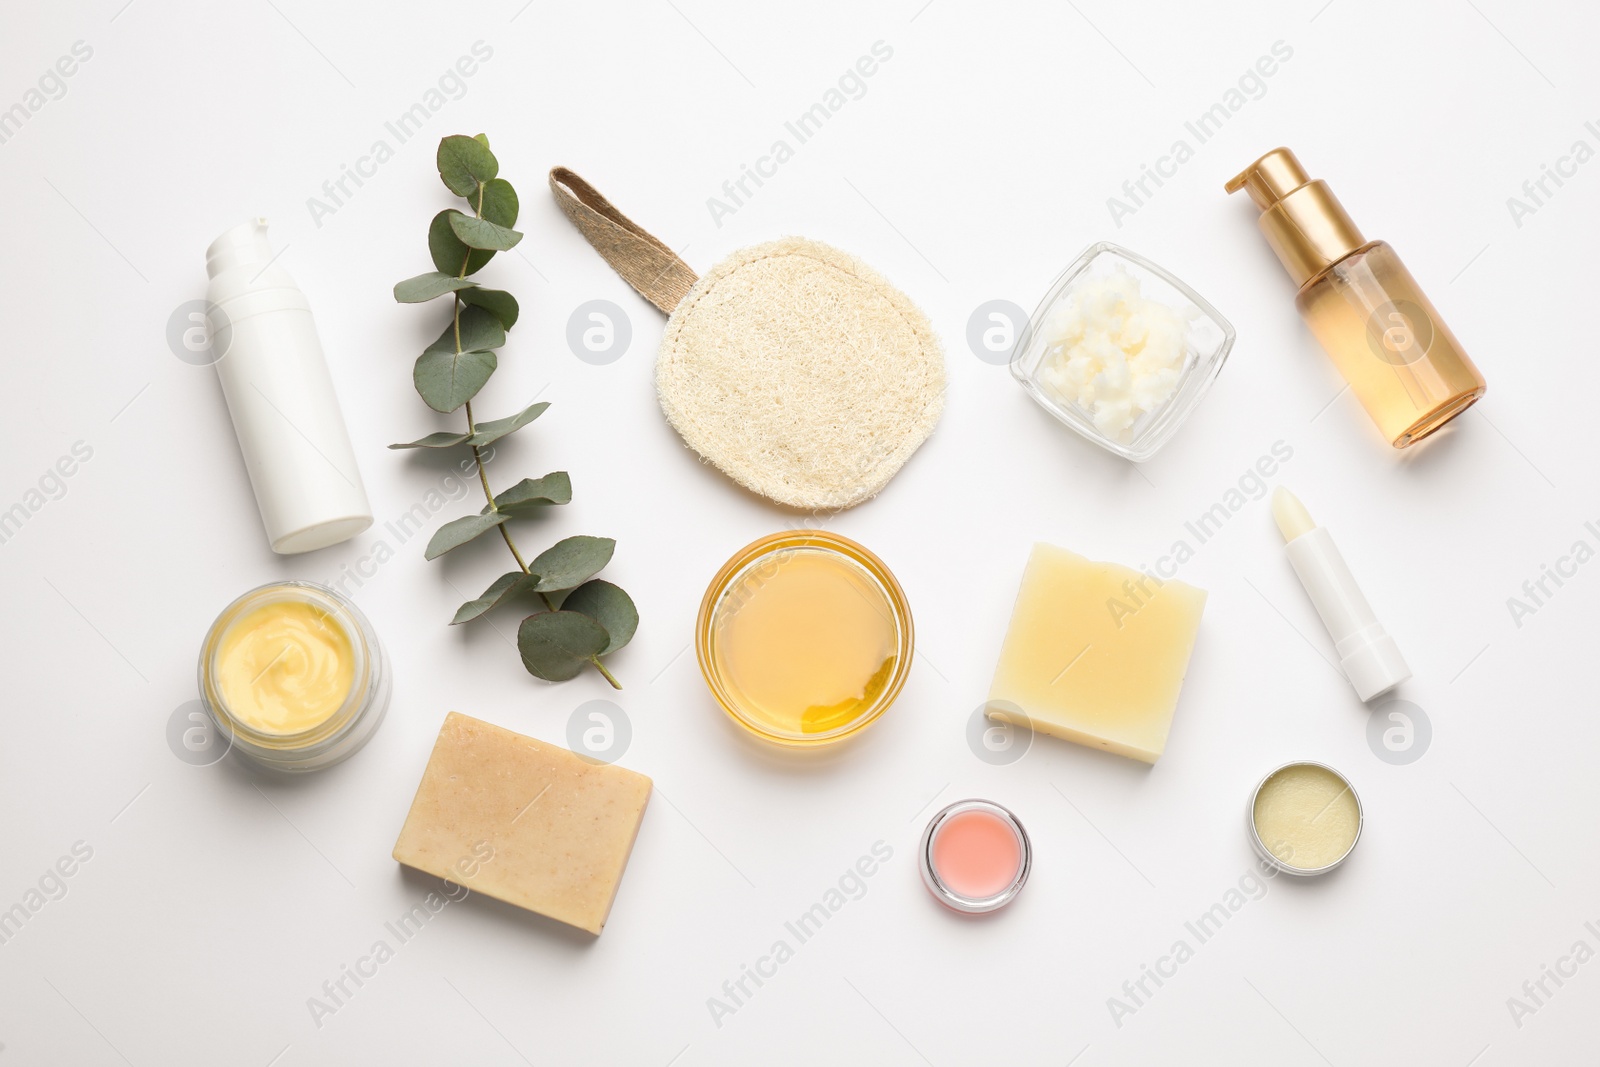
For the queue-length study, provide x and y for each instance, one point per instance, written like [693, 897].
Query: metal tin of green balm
[1305, 818]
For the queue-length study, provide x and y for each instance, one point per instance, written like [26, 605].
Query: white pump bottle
[285, 413]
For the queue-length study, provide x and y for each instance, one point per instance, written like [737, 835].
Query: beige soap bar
[1096, 653]
[524, 822]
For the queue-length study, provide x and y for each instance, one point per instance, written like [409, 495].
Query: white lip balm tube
[1367, 654]
[281, 397]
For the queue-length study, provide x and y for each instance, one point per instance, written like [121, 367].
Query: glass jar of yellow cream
[293, 676]
[804, 638]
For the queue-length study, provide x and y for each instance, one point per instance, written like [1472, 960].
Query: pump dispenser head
[1302, 220]
[245, 243]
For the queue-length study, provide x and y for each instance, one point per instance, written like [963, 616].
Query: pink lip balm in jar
[975, 857]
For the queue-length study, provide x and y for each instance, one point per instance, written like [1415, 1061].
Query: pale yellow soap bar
[1096, 653]
[525, 822]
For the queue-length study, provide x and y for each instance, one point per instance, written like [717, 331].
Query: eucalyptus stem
[472, 428]
[488, 494]
[601, 667]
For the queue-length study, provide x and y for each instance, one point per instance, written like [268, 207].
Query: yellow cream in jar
[284, 667]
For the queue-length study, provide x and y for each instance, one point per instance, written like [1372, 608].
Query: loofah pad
[801, 373]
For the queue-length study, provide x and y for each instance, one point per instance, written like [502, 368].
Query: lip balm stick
[1367, 654]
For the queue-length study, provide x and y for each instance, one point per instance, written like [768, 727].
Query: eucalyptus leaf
[458, 532]
[481, 138]
[498, 203]
[449, 254]
[429, 286]
[557, 645]
[441, 439]
[446, 379]
[609, 606]
[483, 234]
[490, 432]
[531, 494]
[480, 331]
[504, 588]
[497, 302]
[571, 562]
[465, 162]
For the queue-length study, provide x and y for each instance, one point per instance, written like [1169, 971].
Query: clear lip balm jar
[975, 857]
[323, 740]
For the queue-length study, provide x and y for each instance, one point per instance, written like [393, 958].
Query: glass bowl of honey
[804, 638]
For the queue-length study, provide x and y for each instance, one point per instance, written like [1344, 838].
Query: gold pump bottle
[1402, 361]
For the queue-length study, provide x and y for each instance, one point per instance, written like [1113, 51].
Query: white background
[977, 164]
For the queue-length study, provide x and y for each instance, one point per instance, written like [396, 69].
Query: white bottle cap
[1374, 666]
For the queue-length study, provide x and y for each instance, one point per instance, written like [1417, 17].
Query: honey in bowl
[805, 638]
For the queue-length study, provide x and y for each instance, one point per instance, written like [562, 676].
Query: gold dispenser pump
[1303, 221]
[1387, 339]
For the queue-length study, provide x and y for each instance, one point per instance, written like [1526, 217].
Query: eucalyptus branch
[583, 617]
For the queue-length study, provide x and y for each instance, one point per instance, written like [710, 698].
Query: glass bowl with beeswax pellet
[1121, 351]
[804, 638]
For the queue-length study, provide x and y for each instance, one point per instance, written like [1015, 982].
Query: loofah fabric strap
[644, 262]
